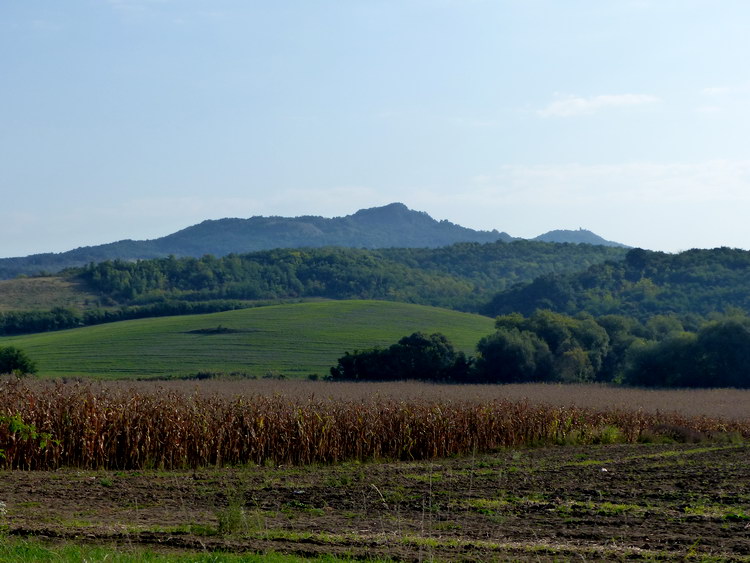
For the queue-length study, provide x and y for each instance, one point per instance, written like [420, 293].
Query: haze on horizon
[136, 118]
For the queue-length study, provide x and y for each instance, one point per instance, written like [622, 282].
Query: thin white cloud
[574, 105]
[327, 202]
[667, 206]
[664, 206]
[716, 91]
[729, 99]
[186, 208]
[708, 109]
[727, 90]
[648, 183]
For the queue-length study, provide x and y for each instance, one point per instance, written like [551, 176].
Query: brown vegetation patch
[106, 426]
[44, 293]
[716, 403]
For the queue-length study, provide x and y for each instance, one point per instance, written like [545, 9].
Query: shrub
[14, 360]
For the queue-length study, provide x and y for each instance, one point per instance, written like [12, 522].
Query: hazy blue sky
[135, 118]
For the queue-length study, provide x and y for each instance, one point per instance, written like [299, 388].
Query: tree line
[60, 318]
[553, 347]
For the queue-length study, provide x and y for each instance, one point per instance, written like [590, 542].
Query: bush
[14, 360]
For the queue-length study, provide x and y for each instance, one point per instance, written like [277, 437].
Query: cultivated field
[408, 471]
[594, 503]
[295, 340]
[713, 403]
[111, 426]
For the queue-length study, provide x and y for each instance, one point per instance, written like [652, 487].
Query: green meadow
[294, 340]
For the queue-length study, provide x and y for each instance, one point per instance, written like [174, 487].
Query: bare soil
[616, 502]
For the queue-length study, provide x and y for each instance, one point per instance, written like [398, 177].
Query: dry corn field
[720, 403]
[118, 426]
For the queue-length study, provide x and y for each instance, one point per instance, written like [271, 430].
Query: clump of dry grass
[113, 427]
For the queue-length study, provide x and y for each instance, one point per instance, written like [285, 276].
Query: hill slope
[295, 340]
[695, 282]
[44, 293]
[390, 226]
[463, 276]
[393, 225]
[581, 236]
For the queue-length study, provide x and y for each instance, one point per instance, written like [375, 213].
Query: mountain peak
[390, 213]
[394, 207]
[581, 236]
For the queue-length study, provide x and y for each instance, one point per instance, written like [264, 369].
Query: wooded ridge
[393, 225]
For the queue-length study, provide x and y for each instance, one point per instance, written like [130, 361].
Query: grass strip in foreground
[32, 550]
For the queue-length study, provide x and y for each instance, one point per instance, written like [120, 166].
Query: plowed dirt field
[615, 502]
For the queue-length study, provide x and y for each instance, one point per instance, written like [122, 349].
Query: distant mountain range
[393, 225]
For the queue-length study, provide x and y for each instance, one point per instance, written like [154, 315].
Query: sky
[136, 118]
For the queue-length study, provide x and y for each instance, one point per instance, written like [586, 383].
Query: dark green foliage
[461, 276]
[15, 360]
[26, 322]
[717, 356]
[645, 284]
[422, 357]
[724, 354]
[13, 430]
[553, 292]
[618, 349]
[550, 346]
[544, 347]
[513, 356]
[625, 335]
[20, 322]
[667, 363]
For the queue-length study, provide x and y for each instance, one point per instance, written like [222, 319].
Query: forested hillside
[463, 276]
[695, 282]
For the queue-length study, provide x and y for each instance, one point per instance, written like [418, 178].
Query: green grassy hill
[295, 340]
